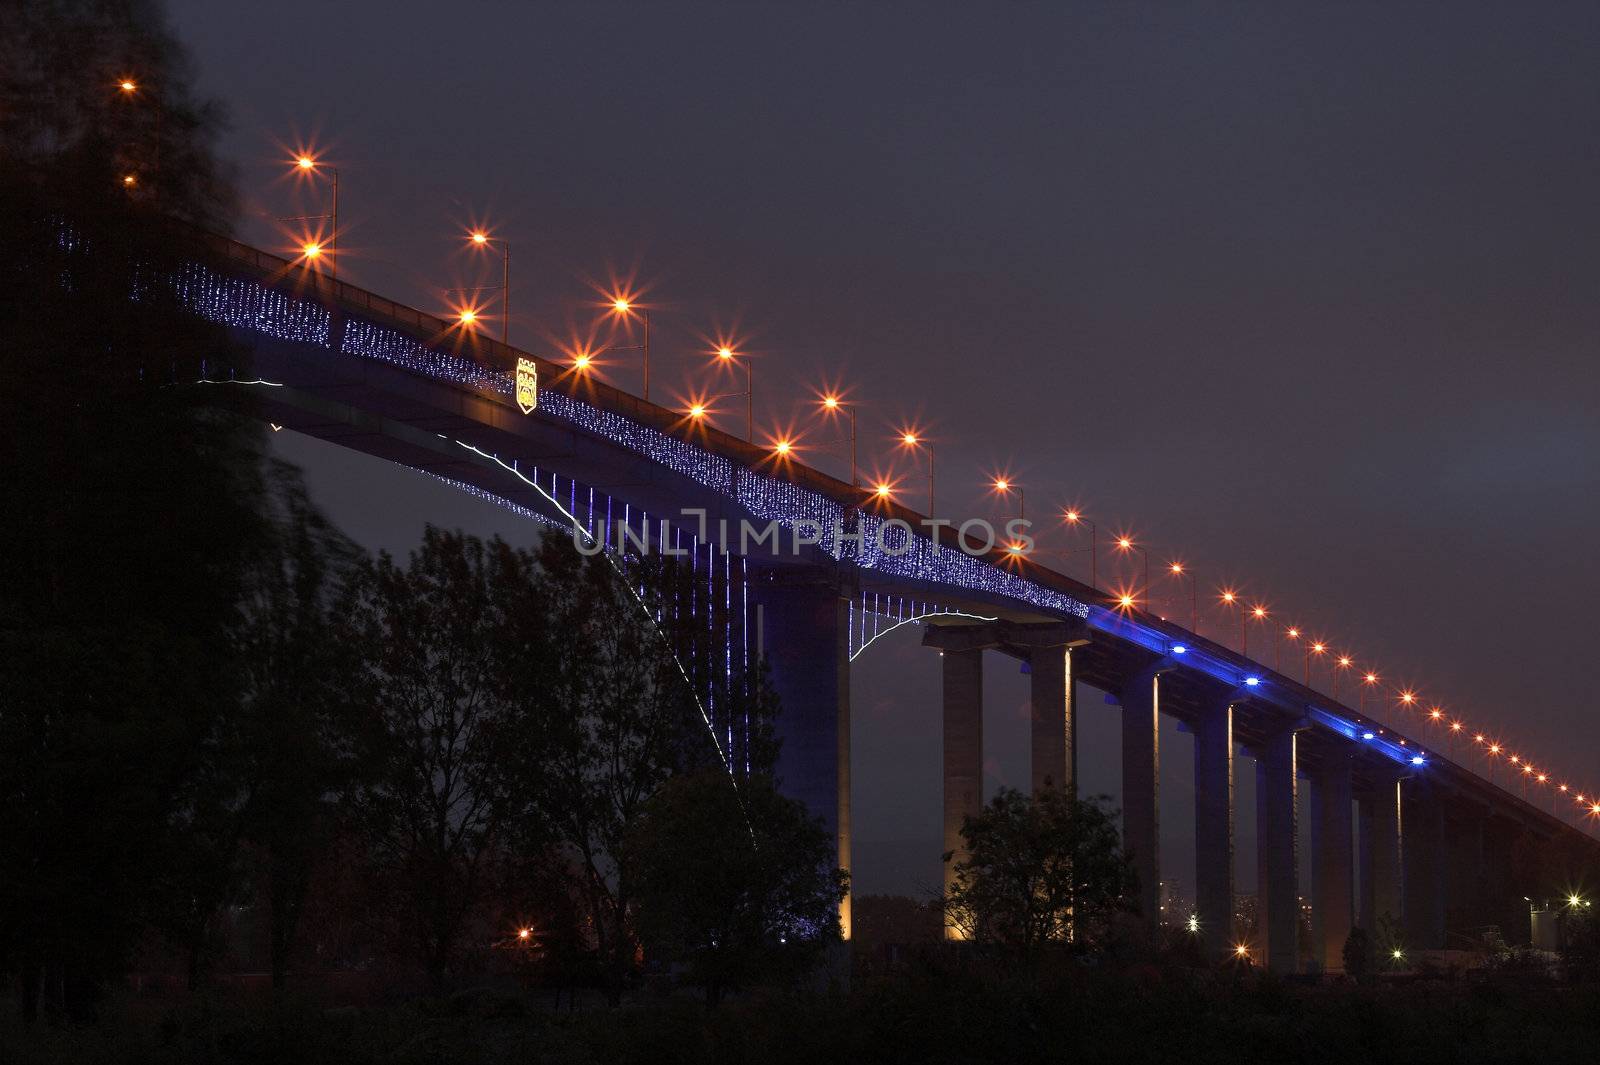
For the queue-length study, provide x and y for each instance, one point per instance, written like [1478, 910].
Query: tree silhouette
[1047, 869]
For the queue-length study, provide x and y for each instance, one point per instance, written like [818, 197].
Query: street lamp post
[1125, 544]
[910, 439]
[131, 89]
[1257, 613]
[625, 308]
[1005, 487]
[831, 405]
[480, 239]
[730, 357]
[1230, 599]
[308, 166]
[1293, 633]
[1073, 517]
[1178, 570]
[1313, 647]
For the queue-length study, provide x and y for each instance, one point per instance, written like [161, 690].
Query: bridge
[1397, 827]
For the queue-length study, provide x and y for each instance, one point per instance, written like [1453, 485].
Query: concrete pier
[1332, 862]
[1214, 828]
[1141, 788]
[1277, 813]
[803, 630]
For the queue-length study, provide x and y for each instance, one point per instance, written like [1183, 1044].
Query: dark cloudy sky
[1305, 295]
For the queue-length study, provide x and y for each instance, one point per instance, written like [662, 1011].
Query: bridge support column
[1424, 866]
[963, 754]
[1277, 889]
[1141, 783]
[1381, 844]
[804, 636]
[1054, 713]
[1213, 828]
[1332, 842]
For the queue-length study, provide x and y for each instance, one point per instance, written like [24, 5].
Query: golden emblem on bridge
[527, 385]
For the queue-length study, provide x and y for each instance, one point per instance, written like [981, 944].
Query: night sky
[1306, 297]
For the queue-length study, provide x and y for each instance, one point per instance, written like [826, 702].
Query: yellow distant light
[581, 362]
[1241, 951]
[697, 411]
[305, 162]
[782, 447]
[1002, 485]
[724, 353]
[1072, 516]
[311, 250]
[129, 180]
[831, 402]
[128, 86]
[480, 238]
[468, 316]
[620, 305]
[909, 438]
[882, 491]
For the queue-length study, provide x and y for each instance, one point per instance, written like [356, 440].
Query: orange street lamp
[1072, 516]
[1292, 633]
[481, 239]
[1230, 600]
[910, 439]
[130, 89]
[307, 166]
[1367, 681]
[625, 308]
[1179, 570]
[1258, 612]
[1344, 663]
[831, 406]
[726, 356]
[1005, 486]
[1124, 543]
[1313, 647]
